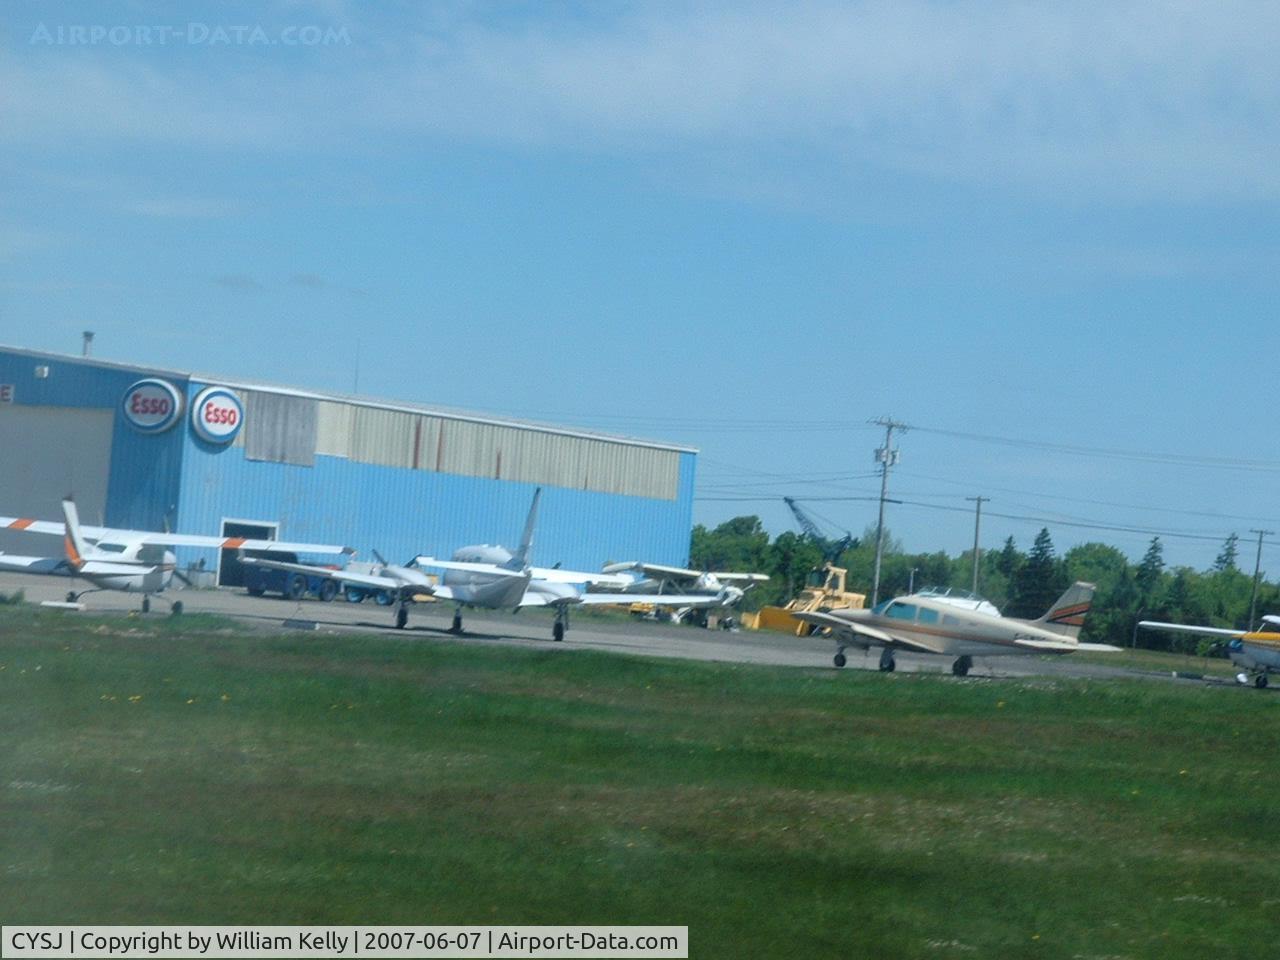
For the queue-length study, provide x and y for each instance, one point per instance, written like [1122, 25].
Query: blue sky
[750, 228]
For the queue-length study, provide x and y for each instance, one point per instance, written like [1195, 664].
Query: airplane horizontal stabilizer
[489, 569]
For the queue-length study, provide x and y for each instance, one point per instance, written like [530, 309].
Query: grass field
[188, 772]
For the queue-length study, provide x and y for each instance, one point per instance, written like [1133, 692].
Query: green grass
[183, 771]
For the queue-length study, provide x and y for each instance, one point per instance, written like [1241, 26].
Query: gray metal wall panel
[279, 428]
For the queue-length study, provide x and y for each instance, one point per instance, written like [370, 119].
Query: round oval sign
[217, 415]
[152, 406]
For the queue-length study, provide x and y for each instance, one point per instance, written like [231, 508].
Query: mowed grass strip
[184, 771]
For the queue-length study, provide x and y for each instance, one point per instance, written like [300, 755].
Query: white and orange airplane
[958, 624]
[134, 561]
[1257, 652]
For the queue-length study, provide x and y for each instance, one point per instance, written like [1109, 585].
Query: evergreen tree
[1008, 560]
[1227, 557]
[1039, 581]
[1151, 569]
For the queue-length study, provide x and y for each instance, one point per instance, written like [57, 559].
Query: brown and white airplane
[958, 624]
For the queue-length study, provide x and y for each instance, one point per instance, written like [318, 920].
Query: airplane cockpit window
[881, 607]
[902, 611]
[928, 616]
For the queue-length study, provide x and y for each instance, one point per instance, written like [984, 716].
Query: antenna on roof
[88, 342]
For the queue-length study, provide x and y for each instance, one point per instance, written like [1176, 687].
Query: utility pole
[1257, 571]
[977, 525]
[887, 457]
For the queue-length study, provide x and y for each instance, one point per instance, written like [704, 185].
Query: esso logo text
[152, 406]
[217, 415]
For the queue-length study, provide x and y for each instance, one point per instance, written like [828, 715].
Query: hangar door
[46, 453]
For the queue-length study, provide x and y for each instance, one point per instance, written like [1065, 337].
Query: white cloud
[1142, 100]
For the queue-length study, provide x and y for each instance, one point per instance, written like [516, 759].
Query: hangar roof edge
[402, 406]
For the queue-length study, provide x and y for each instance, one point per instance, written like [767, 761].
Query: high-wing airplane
[958, 625]
[1257, 652]
[134, 561]
[484, 575]
[702, 589]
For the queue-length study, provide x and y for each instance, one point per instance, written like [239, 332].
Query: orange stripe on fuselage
[235, 543]
[20, 524]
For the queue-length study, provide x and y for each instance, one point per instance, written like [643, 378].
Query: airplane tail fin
[1067, 614]
[74, 544]
[522, 555]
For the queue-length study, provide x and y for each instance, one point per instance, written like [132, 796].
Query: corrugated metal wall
[403, 483]
[375, 484]
[414, 441]
[142, 486]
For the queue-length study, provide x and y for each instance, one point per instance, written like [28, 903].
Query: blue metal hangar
[151, 449]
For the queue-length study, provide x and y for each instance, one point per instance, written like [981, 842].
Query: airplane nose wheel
[840, 660]
[887, 663]
[402, 617]
[457, 622]
[1260, 681]
[146, 604]
[962, 666]
[561, 624]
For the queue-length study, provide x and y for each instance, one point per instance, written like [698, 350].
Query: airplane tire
[146, 604]
[177, 608]
[71, 596]
[840, 660]
[1260, 681]
[457, 624]
[557, 632]
[402, 618]
[961, 667]
[887, 663]
[328, 590]
[296, 587]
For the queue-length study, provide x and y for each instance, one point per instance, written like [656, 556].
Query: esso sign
[152, 406]
[217, 415]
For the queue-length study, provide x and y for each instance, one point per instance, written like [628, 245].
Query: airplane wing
[862, 635]
[49, 566]
[491, 569]
[533, 599]
[1185, 628]
[682, 573]
[341, 576]
[556, 575]
[167, 539]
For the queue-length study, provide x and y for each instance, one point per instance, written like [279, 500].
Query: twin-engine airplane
[486, 576]
[701, 590]
[1257, 652]
[134, 561]
[958, 625]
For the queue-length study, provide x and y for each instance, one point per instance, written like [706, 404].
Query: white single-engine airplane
[700, 589]
[484, 575]
[134, 561]
[958, 625]
[1256, 651]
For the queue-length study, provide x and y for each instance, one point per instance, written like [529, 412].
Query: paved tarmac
[531, 629]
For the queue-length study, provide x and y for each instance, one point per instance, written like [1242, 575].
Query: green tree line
[1021, 584]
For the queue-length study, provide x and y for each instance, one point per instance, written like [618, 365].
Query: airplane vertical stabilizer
[1067, 614]
[77, 550]
[521, 558]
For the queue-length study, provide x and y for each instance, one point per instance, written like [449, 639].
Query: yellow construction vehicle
[825, 592]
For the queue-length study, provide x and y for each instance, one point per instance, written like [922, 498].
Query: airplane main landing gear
[562, 623]
[1260, 681]
[840, 660]
[457, 622]
[887, 663]
[146, 604]
[962, 666]
[402, 617]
